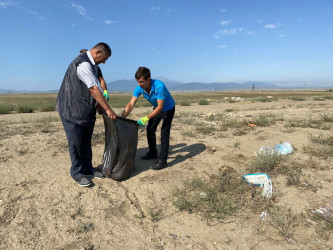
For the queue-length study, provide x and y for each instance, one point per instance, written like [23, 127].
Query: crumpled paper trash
[262, 180]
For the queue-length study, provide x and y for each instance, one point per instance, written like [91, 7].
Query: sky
[287, 42]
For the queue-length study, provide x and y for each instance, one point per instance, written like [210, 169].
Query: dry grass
[217, 198]
[284, 220]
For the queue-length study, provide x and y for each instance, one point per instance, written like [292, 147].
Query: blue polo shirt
[158, 92]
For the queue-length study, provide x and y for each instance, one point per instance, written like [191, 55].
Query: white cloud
[282, 35]
[36, 14]
[157, 8]
[5, 4]
[171, 10]
[32, 12]
[109, 22]
[227, 31]
[79, 9]
[166, 10]
[271, 26]
[223, 46]
[225, 22]
[260, 21]
[251, 32]
[223, 11]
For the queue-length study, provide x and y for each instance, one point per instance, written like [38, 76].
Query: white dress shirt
[88, 74]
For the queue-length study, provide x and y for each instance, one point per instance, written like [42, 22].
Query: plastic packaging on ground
[324, 211]
[284, 148]
[266, 150]
[262, 180]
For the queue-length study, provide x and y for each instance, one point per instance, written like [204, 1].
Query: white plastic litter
[262, 180]
[284, 148]
[268, 189]
[266, 150]
[256, 179]
[263, 215]
[203, 195]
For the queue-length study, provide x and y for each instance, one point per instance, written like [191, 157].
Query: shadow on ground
[173, 159]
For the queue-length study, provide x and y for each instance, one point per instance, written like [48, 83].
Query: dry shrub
[217, 198]
[283, 220]
[155, 213]
[265, 163]
[321, 146]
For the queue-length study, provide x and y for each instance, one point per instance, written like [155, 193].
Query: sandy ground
[41, 207]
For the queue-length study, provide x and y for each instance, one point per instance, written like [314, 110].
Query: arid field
[199, 202]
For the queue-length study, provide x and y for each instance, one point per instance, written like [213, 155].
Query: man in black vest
[100, 79]
[77, 101]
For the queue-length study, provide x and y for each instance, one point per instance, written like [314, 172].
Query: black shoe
[159, 165]
[149, 155]
[84, 182]
[96, 174]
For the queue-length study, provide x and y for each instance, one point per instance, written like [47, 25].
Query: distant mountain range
[172, 85]
[129, 86]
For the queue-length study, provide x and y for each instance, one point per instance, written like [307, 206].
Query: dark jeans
[79, 146]
[167, 117]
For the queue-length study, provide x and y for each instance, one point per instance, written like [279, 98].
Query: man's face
[101, 57]
[143, 83]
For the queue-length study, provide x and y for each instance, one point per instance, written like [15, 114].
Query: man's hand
[111, 114]
[143, 121]
[106, 95]
[124, 114]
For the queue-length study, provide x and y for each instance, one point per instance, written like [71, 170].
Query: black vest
[74, 101]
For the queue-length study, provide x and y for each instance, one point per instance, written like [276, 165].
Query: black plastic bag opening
[121, 140]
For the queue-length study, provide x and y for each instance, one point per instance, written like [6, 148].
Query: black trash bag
[121, 140]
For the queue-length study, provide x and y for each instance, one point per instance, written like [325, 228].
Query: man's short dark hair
[142, 72]
[83, 50]
[104, 48]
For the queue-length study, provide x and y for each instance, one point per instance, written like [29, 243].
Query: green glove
[143, 121]
[105, 93]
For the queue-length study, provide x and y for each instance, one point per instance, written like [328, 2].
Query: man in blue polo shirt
[164, 109]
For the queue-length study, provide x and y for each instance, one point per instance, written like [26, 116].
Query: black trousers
[167, 117]
[79, 146]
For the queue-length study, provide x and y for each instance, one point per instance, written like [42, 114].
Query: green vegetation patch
[216, 198]
[203, 101]
[25, 108]
[320, 146]
[284, 220]
[324, 122]
[185, 103]
[6, 108]
[297, 98]
[265, 163]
